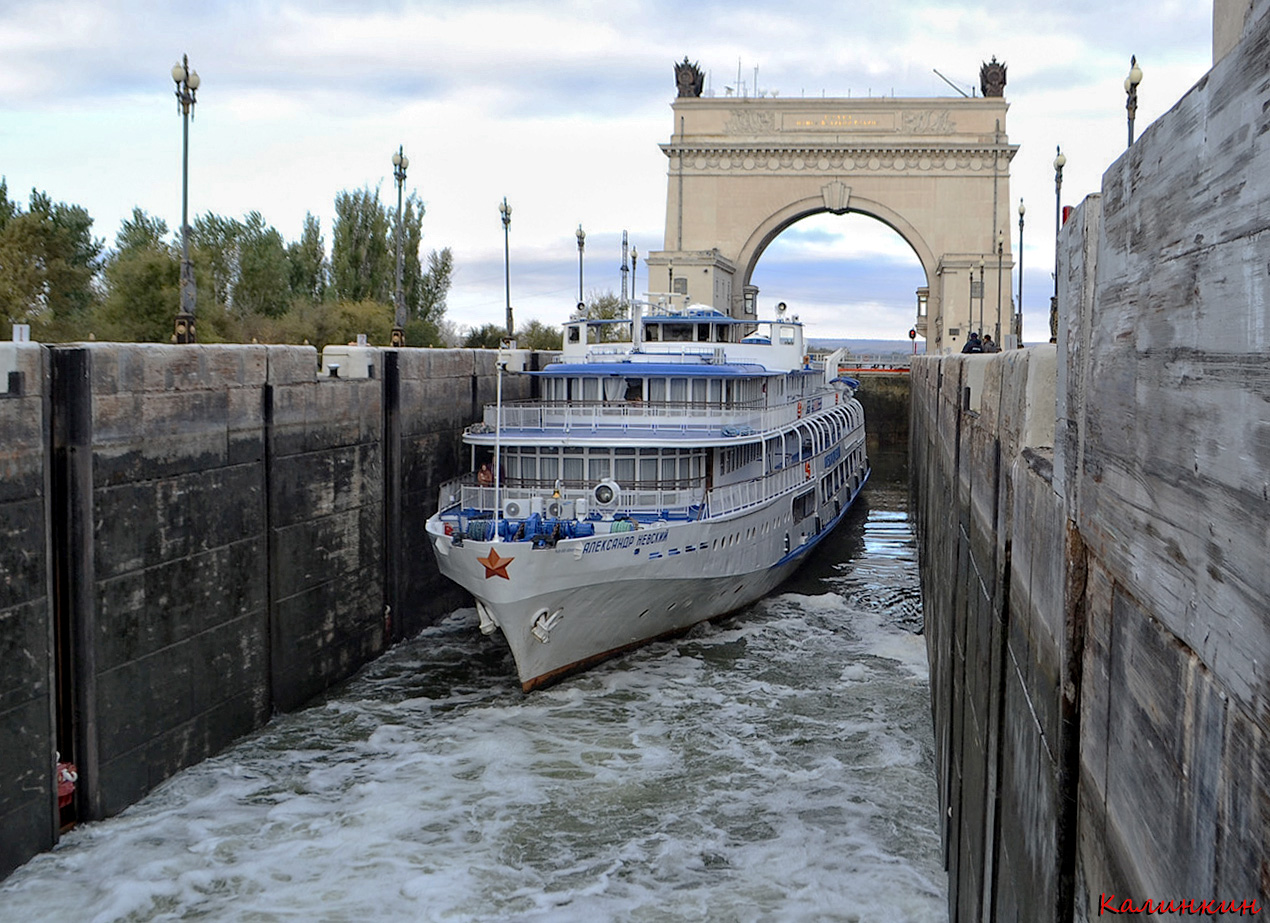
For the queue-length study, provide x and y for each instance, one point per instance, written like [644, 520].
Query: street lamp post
[981, 265]
[996, 328]
[1018, 321]
[1059, 162]
[506, 211]
[399, 164]
[187, 82]
[634, 270]
[581, 243]
[624, 268]
[1131, 91]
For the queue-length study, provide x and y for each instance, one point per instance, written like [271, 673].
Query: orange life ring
[807, 469]
[800, 408]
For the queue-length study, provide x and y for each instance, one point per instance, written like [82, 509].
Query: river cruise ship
[676, 465]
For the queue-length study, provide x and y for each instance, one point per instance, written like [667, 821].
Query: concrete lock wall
[226, 534]
[28, 800]
[1094, 558]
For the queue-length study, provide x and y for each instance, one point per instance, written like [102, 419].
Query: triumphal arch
[936, 170]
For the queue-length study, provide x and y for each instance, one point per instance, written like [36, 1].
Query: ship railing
[634, 417]
[463, 493]
[734, 498]
[874, 363]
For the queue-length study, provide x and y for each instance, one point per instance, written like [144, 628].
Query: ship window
[573, 334]
[786, 336]
[599, 467]
[703, 333]
[716, 390]
[698, 390]
[648, 469]
[652, 332]
[634, 389]
[657, 390]
[679, 333]
[590, 389]
[804, 505]
[549, 467]
[573, 463]
[668, 469]
[624, 470]
[679, 390]
[528, 467]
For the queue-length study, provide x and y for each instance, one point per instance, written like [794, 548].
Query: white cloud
[560, 107]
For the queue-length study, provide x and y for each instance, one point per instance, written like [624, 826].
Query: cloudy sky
[560, 107]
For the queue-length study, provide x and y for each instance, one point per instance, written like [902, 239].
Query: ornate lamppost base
[184, 330]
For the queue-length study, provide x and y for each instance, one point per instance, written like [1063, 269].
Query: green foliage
[362, 267]
[214, 251]
[251, 284]
[435, 286]
[142, 284]
[48, 261]
[309, 269]
[264, 273]
[537, 335]
[488, 337]
[140, 233]
[606, 306]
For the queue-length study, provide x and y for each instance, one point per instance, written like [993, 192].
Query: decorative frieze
[839, 160]
[750, 122]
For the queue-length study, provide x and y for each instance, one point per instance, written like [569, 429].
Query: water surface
[774, 765]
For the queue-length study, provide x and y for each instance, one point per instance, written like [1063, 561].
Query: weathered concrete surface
[1094, 543]
[981, 494]
[172, 634]
[28, 738]
[885, 399]
[442, 391]
[1166, 438]
[225, 534]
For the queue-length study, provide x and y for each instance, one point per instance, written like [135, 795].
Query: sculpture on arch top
[689, 78]
[992, 78]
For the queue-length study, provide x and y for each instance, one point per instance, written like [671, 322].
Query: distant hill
[870, 347]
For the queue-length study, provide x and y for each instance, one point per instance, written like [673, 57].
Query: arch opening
[848, 275]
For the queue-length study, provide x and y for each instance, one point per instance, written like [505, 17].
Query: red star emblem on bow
[495, 565]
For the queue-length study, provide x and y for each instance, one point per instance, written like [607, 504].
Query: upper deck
[674, 332]
[687, 374]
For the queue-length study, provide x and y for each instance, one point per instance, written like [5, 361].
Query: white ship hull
[655, 482]
[567, 607]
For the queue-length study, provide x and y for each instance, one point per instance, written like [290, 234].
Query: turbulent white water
[776, 765]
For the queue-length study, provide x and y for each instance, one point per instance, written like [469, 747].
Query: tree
[48, 260]
[606, 306]
[361, 267]
[142, 283]
[264, 274]
[435, 286]
[364, 261]
[488, 337]
[214, 244]
[309, 267]
[537, 335]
